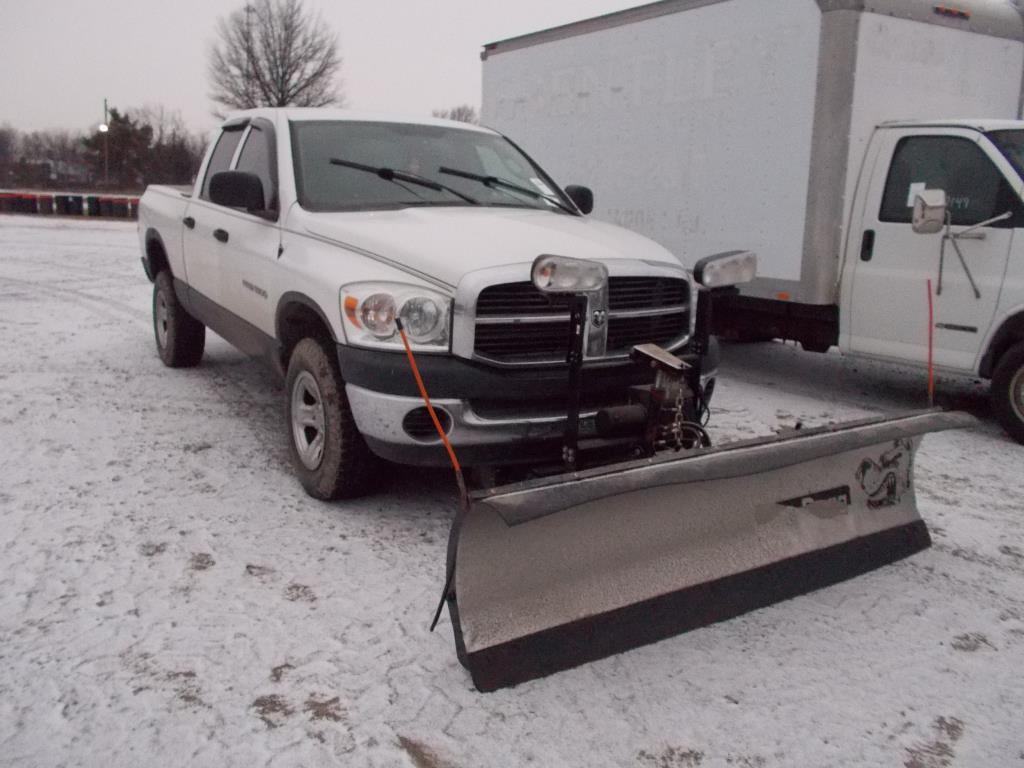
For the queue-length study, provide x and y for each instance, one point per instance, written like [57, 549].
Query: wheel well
[1011, 332]
[156, 257]
[297, 321]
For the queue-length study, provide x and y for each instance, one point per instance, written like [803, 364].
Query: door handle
[189, 222]
[221, 234]
[867, 245]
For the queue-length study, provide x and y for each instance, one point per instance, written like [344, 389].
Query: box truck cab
[974, 264]
[805, 135]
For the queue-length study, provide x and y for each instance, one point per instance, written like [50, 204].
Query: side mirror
[237, 189]
[726, 269]
[929, 211]
[582, 197]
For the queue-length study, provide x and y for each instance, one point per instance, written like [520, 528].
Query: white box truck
[804, 130]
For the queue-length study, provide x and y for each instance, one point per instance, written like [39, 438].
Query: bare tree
[272, 53]
[464, 113]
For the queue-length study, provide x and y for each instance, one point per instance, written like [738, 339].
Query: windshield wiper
[493, 182]
[390, 174]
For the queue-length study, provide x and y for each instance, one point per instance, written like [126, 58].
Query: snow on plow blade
[556, 572]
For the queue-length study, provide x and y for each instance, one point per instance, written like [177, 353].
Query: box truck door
[888, 309]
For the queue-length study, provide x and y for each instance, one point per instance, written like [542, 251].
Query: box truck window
[975, 188]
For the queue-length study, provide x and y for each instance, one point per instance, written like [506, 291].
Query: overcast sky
[60, 58]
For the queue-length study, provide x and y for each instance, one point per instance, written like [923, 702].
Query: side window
[257, 157]
[221, 159]
[975, 189]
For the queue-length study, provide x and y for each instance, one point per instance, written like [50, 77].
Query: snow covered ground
[170, 597]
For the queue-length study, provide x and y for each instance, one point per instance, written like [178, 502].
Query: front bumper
[477, 440]
[498, 416]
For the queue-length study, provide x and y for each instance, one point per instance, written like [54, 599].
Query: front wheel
[329, 455]
[1008, 392]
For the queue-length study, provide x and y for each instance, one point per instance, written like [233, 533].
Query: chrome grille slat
[516, 324]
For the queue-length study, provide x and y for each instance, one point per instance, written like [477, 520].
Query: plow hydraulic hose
[459, 478]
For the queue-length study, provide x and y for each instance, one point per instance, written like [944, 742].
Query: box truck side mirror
[581, 197]
[929, 211]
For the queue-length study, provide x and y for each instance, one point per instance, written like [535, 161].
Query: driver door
[888, 310]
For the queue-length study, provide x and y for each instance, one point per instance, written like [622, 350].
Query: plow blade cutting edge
[552, 573]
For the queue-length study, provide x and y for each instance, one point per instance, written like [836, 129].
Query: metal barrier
[70, 204]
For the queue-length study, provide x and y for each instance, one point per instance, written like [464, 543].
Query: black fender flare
[294, 297]
[153, 236]
[1009, 333]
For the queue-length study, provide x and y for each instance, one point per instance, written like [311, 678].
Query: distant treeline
[141, 146]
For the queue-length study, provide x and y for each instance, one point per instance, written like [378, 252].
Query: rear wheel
[180, 338]
[1008, 392]
[329, 455]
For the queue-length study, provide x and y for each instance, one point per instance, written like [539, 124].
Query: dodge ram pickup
[311, 233]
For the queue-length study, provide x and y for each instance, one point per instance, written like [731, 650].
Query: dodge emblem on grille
[599, 317]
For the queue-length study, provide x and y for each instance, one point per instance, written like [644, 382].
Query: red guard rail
[70, 204]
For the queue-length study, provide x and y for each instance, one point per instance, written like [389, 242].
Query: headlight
[422, 317]
[368, 312]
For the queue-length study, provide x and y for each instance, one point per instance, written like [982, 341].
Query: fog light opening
[418, 425]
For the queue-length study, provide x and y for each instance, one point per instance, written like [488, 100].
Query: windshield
[1011, 144]
[350, 166]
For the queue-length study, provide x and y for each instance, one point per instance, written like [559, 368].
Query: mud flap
[552, 573]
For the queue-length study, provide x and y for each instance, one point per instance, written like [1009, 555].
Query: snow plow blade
[556, 572]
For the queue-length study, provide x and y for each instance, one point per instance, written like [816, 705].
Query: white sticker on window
[915, 189]
[544, 188]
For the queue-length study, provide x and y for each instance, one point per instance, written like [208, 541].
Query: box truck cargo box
[781, 128]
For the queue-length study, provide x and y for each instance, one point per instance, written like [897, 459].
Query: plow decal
[887, 479]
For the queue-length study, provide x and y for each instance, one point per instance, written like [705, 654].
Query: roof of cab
[976, 124]
[306, 114]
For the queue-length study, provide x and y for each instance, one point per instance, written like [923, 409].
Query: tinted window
[221, 159]
[975, 189]
[257, 157]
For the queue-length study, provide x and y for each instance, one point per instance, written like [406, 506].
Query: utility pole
[248, 53]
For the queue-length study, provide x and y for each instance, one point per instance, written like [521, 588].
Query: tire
[1008, 391]
[329, 455]
[180, 338]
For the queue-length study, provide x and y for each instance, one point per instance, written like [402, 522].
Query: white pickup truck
[309, 232]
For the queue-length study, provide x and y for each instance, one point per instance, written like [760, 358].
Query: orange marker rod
[463, 493]
[931, 346]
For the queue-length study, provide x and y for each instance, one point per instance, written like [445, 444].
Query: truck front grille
[516, 323]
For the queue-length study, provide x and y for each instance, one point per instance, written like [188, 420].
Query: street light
[104, 127]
